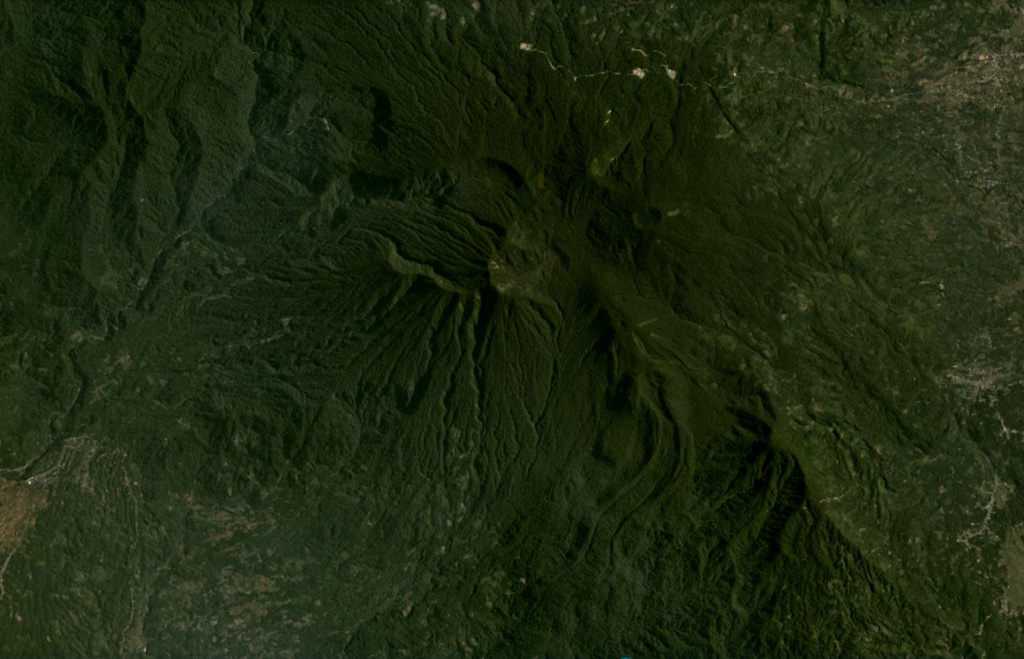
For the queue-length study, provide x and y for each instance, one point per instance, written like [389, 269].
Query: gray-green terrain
[511, 328]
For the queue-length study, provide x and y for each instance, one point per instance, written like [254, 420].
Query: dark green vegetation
[510, 328]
